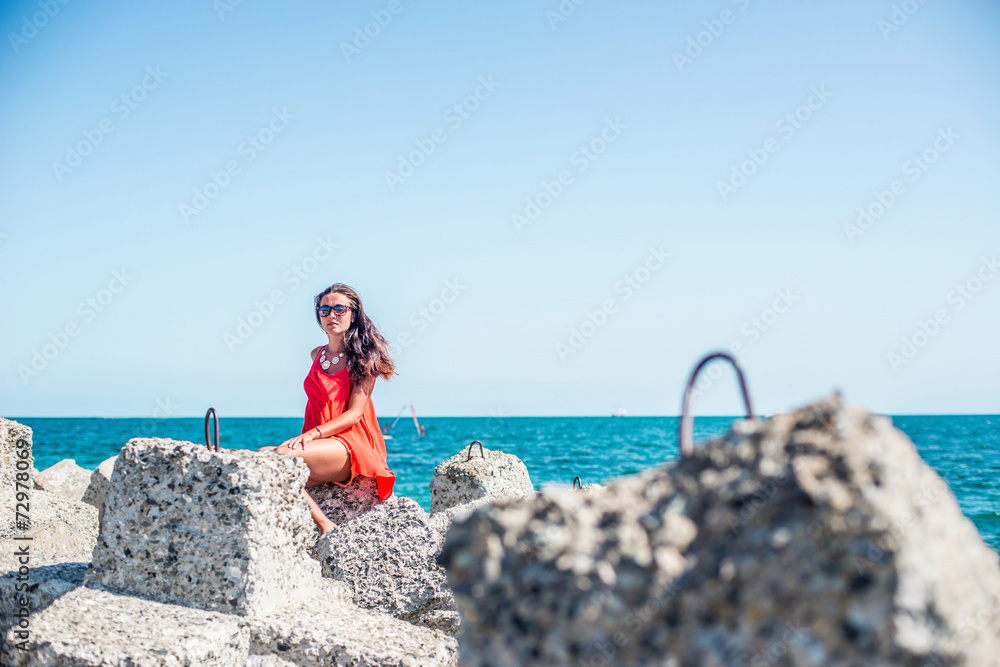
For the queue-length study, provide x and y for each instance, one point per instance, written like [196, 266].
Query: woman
[340, 437]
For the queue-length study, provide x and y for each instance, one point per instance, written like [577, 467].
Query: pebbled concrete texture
[84, 626]
[39, 586]
[224, 531]
[11, 433]
[94, 627]
[97, 486]
[344, 503]
[65, 479]
[817, 537]
[186, 529]
[441, 521]
[462, 479]
[328, 629]
[387, 558]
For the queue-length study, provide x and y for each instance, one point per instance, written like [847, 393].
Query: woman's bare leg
[328, 461]
[323, 523]
[327, 458]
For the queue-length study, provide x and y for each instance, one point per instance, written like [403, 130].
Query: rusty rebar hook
[577, 483]
[685, 437]
[481, 452]
[215, 420]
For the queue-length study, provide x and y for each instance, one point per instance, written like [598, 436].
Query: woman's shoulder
[315, 351]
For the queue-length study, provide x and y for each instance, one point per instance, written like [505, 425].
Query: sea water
[963, 449]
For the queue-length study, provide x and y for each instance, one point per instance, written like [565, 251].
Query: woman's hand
[298, 441]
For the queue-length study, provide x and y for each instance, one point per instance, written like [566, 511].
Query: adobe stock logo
[363, 38]
[30, 28]
[627, 287]
[714, 28]
[223, 7]
[454, 116]
[563, 11]
[265, 307]
[915, 167]
[87, 310]
[959, 297]
[422, 318]
[249, 149]
[122, 106]
[753, 329]
[899, 17]
[786, 126]
[582, 158]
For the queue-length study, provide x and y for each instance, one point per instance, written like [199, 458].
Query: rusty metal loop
[685, 437]
[215, 420]
[481, 452]
[577, 483]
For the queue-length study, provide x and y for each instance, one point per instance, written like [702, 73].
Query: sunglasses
[338, 310]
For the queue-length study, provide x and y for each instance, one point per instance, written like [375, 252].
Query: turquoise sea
[963, 449]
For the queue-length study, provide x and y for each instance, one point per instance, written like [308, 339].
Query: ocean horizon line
[590, 416]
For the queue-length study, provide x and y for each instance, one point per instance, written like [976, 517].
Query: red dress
[328, 396]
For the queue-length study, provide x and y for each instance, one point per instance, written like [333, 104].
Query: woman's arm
[356, 403]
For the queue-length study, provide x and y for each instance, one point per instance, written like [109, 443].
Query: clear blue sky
[832, 100]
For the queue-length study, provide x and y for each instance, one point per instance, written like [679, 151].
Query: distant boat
[420, 428]
[386, 429]
[620, 412]
[416, 424]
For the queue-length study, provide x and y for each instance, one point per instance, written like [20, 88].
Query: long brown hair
[367, 349]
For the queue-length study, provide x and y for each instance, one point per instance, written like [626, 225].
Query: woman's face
[332, 323]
